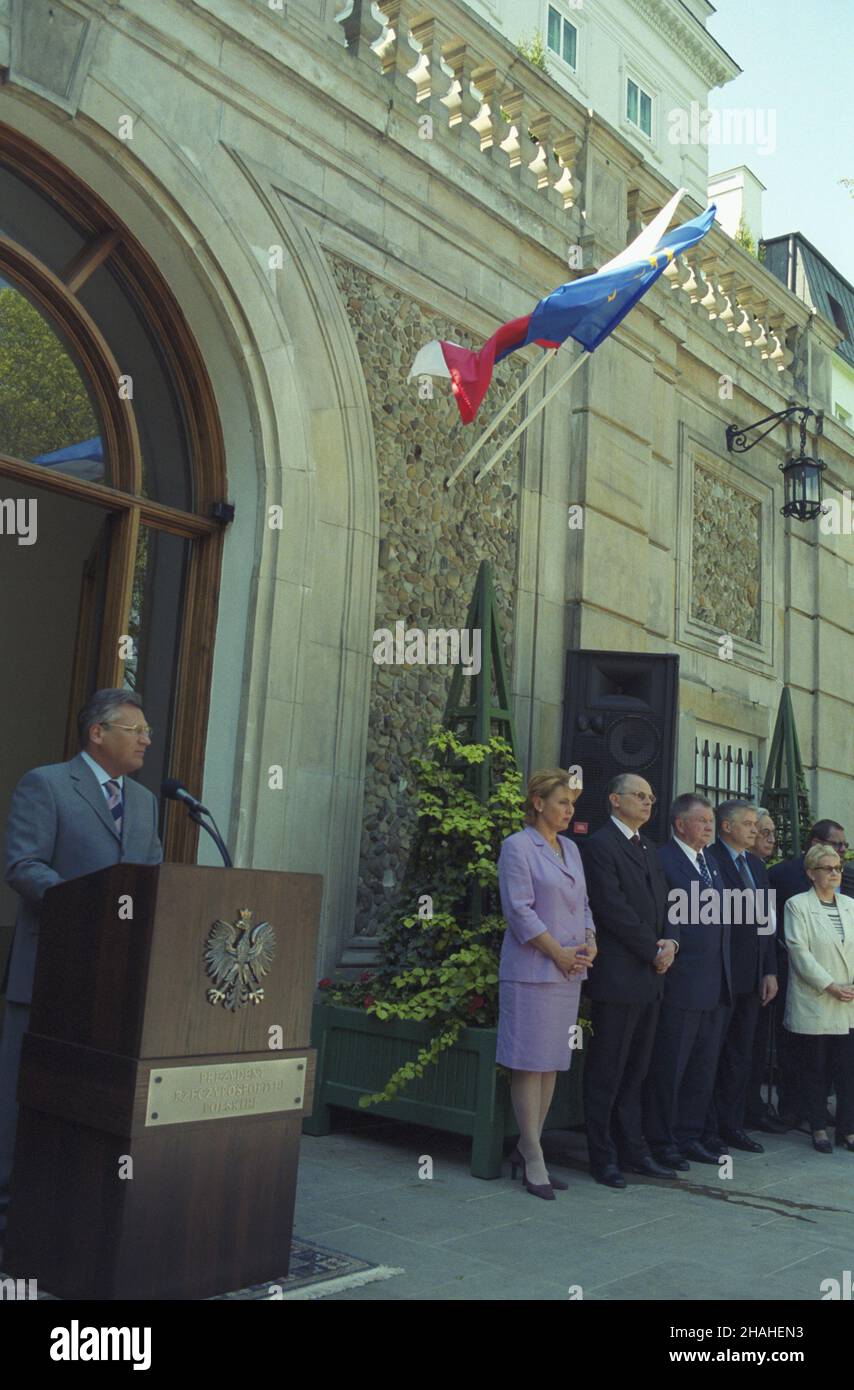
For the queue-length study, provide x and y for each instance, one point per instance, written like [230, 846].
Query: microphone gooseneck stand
[213, 831]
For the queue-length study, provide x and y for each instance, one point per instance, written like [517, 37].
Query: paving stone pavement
[782, 1224]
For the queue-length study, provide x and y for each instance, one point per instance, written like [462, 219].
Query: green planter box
[461, 1094]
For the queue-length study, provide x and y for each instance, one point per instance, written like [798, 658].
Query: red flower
[365, 976]
[368, 1000]
[324, 983]
[476, 1002]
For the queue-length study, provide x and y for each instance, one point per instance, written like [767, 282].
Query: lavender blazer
[539, 893]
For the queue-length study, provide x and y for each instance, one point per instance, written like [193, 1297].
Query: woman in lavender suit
[549, 943]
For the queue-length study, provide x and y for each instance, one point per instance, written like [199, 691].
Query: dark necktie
[636, 840]
[703, 869]
[114, 802]
[741, 865]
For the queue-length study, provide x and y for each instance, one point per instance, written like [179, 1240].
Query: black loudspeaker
[620, 716]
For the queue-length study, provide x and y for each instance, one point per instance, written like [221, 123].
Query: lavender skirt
[534, 1022]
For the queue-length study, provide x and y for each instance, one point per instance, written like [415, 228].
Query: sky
[798, 63]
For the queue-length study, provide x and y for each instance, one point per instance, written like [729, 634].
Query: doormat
[316, 1272]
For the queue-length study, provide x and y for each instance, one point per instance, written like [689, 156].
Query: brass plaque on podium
[222, 1091]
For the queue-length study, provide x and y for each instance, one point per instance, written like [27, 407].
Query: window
[639, 107]
[838, 314]
[562, 37]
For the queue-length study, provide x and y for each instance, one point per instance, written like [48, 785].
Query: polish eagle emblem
[237, 955]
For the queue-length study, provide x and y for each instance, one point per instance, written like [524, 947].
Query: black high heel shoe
[517, 1161]
[544, 1190]
[842, 1142]
[822, 1146]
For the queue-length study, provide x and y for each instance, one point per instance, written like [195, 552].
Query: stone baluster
[361, 30]
[487, 85]
[712, 301]
[397, 56]
[521, 112]
[757, 310]
[744, 303]
[463, 106]
[760, 334]
[433, 79]
[728, 315]
[541, 129]
[760, 339]
[781, 356]
[427, 75]
[690, 285]
[566, 147]
[510, 104]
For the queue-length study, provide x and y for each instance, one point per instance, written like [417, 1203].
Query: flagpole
[541, 405]
[481, 440]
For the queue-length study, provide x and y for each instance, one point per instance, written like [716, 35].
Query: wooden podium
[159, 1127]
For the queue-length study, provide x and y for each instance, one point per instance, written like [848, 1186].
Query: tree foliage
[44, 404]
[440, 960]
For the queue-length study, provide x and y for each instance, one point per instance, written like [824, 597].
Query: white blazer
[817, 958]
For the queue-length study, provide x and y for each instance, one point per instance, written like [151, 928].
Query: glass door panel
[154, 630]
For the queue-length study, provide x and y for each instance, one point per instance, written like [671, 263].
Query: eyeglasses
[826, 869]
[129, 728]
[838, 844]
[642, 796]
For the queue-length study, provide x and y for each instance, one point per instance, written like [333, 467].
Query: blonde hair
[818, 852]
[542, 784]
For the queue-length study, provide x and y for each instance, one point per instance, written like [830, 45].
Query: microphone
[176, 791]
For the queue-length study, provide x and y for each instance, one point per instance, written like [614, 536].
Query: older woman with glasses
[819, 929]
[548, 945]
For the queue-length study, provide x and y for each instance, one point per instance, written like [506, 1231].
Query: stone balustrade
[442, 62]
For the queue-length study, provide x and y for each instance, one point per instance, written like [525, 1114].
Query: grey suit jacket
[60, 827]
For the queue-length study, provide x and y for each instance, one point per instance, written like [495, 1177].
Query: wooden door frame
[109, 241]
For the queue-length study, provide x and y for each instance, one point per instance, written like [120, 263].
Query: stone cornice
[695, 45]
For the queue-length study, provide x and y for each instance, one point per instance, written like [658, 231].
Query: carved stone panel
[726, 552]
[51, 49]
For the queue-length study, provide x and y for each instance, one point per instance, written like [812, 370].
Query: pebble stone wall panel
[432, 544]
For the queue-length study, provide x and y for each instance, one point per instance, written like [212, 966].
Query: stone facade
[297, 130]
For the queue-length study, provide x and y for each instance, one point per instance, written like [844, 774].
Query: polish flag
[587, 310]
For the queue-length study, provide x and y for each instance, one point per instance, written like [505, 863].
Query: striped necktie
[114, 801]
[703, 870]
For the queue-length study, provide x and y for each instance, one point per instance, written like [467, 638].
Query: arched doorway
[112, 483]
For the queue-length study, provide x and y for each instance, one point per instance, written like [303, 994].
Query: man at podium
[66, 820]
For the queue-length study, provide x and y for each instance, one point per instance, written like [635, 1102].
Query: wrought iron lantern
[801, 475]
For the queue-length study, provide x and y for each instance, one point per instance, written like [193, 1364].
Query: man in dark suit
[67, 820]
[628, 898]
[787, 879]
[697, 995]
[753, 960]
